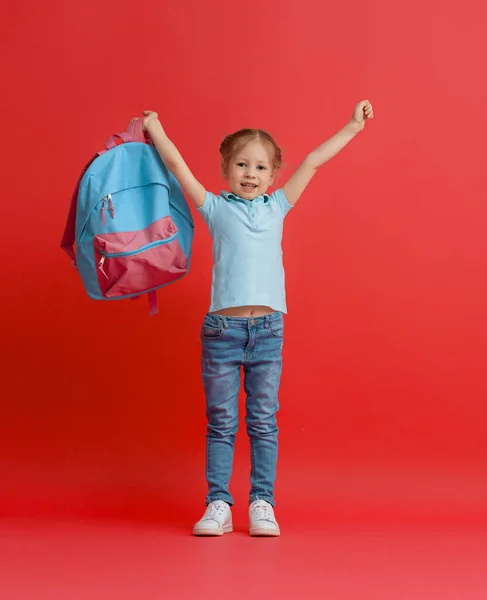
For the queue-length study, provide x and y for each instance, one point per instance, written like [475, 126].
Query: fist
[362, 112]
[150, 118]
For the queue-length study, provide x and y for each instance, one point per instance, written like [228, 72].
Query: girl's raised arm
[298, 181]
[173, 160]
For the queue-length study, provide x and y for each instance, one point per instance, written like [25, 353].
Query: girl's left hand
[363, 111]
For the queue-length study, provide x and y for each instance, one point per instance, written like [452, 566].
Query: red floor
[340, 559]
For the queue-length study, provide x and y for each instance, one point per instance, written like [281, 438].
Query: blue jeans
[228, 344]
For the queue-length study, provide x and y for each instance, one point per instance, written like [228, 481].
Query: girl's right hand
[150, 118]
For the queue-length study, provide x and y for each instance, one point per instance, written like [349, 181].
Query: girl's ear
[223, 168]
[272, 178]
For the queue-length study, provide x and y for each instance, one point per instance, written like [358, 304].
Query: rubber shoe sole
[212, 532]
[256, 532]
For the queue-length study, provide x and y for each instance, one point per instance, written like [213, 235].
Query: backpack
[131, 223]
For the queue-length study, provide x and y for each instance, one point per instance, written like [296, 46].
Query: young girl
[244, 325]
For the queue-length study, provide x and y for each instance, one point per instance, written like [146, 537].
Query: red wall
[384, 388]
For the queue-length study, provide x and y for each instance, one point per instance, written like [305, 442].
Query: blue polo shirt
[247, 253]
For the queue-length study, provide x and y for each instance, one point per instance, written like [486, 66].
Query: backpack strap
[152, 297]
[153, 309]
[134, 133]
[67, 241]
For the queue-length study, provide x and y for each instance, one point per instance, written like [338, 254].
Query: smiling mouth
[250, 186]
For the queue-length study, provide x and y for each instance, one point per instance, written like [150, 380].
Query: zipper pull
[110, 206]
[100, 265]
[103, 220]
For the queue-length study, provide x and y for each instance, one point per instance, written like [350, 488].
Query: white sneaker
[217, 520]
[262, 519]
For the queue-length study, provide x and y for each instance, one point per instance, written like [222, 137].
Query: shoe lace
[263, 512]
[214, 510]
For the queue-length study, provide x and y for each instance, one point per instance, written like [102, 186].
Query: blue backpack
[131, 223]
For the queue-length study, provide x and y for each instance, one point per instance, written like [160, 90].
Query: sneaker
[262, 519]
[217, 520]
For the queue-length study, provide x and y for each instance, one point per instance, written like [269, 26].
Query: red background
[384, 386]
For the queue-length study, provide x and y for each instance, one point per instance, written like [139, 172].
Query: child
[244, 325]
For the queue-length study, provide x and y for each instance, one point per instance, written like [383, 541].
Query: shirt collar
[229, 197]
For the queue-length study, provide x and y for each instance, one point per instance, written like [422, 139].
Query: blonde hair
[235, 141]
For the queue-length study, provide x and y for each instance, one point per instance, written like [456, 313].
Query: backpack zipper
[105, 255]
[107, 199]
[110, 206]
[100, 265]
[112, 212]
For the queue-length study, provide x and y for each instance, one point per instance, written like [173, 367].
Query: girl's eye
[262, 168]
[241, 164]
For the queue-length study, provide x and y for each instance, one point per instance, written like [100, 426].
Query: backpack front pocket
[134, 262]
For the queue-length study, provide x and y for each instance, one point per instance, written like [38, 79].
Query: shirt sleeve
[279, 197]
[208, 206]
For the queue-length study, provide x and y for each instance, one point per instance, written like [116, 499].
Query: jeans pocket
[277, 327]
[211, 332]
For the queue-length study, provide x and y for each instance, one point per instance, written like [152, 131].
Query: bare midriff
[245, 311]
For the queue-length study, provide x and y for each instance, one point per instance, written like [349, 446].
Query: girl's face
[250, 171]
